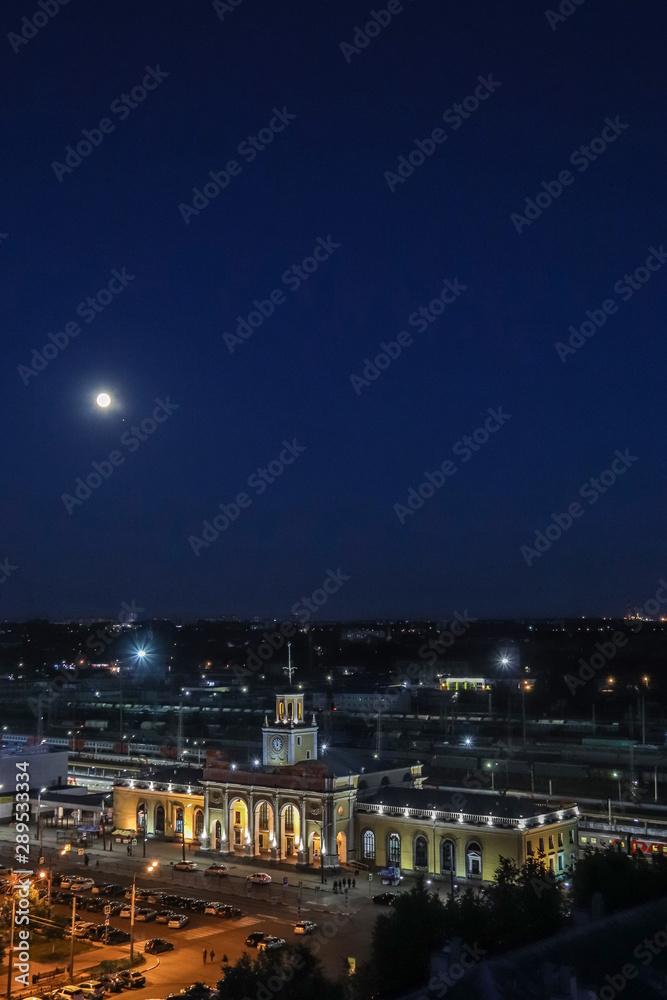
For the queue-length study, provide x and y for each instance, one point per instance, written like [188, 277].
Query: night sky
[342, 149]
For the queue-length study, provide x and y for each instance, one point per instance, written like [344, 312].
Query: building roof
[513, 810]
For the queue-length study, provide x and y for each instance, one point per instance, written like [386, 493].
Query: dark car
[253, 939]
[197, 905]
[385, 899]
[117, 936]
[95, 905]
[157, 945]
[172, 899]
[229, 912]
[112, 982]
[134, 980]
[114, 890]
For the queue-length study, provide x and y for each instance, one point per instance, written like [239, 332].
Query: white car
[260, 877]
[93, 989]
[68, 993]
[213, 908]
[178, 921]
[79, 883]
[80, 928]
[269, 943]
[305, 927]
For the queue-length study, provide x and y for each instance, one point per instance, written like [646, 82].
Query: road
[342, 932]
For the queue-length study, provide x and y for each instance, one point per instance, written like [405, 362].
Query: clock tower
[288, 740]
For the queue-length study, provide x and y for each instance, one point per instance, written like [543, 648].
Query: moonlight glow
[103, 400]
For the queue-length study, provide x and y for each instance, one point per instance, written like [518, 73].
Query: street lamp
[151, 868]
[39, 817]
[493, 766]
[618, 776]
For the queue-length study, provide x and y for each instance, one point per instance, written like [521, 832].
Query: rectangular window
[237, 836]
[237, 817]
[571, 836]
[551, 864]
[261, 840]
[584, 840]
[307, 754]
[529, 847]
[298, 741]
[561, 863]
[551, 842]
[594, 840]
[560, 838]
[541, 843]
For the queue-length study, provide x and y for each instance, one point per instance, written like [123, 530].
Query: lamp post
[150, 868]
[492, 765]
[39, 818]
[618, 776]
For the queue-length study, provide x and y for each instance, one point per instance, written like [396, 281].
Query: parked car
[96, 904]
[66, 881]
[144, 913]
[126, 912]
[253, 939]
[68, 993]
[164, 916]
[185, 866]
[80, 928]
[305, 927]
[228, 911]
[269, 943]
[113, 890]
[212, 908]
[259, 877]
[112, 982]
[385, 899]
[216, 870]
[180, 920]
[96, 932]
[92, 989]
[197, 905]
[116, 936]
[135, 980]
[80, 884]
[157, 945]
[173, 900]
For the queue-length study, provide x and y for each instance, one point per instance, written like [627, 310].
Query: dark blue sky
[327, 179]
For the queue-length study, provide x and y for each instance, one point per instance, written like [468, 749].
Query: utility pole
[134, 889]
[11, 943]
[71, 947]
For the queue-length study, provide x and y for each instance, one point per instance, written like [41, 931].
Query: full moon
[103, 399]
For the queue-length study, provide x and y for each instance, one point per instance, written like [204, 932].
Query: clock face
[277, 744]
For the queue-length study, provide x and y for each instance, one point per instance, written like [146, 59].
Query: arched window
[264, 816]
[178, 823]
[141, 816]
[447, 857]
[421, 852]
[199, 823]
[394, 850]
[289, 819]
[368, 845]
[474, 860]
[298, 710]
[159, 819]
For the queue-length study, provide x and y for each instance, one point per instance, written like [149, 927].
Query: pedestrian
[354, 883]
[129, 850]
[212, 955]
[205, 954]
